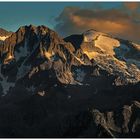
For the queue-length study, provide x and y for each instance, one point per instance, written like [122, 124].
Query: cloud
[117, 22]
[132, 5]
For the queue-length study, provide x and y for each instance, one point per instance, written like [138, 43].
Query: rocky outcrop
[120, 123]
[4, 32]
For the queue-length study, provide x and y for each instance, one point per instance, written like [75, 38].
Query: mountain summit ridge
[99, 51]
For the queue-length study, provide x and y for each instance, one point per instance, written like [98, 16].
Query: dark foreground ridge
[84, 85]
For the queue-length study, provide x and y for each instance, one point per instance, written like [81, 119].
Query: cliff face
[81, 86]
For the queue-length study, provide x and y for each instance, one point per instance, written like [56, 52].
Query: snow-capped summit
[91, 35]
[112, 54]
[117, 48]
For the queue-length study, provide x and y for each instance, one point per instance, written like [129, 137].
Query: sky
[121, 19]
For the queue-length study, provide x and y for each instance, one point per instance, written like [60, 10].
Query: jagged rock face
[72, 62]
[81, 79]
[32, 46]
[110, 121]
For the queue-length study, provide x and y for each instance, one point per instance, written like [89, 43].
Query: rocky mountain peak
[90, 81]
[73, 59]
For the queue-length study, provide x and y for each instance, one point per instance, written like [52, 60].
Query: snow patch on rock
[23, 52]
[22, 71]
[2, 38]
[107, 44]
[103, 41]
[91, 35]
[41, 93]
[137, 46]
[121, 51]
[80, 75]
[31, 89]
[5, 84]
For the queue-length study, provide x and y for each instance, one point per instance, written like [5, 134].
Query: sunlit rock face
[4, 34]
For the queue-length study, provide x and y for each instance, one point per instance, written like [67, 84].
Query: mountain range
[84, 85]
